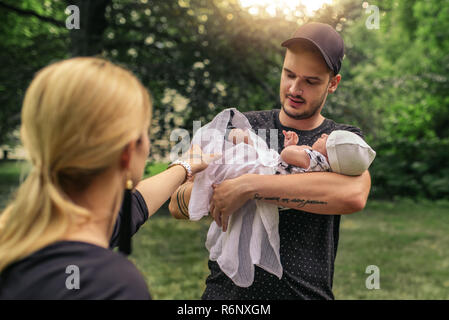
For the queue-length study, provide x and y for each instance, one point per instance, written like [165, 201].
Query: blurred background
[198, 57]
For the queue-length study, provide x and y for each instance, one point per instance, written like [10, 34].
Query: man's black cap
[325, 38]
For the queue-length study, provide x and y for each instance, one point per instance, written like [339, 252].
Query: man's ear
[333, 83]
[125, 156]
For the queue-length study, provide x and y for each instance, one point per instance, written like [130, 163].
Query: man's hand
[228, 197]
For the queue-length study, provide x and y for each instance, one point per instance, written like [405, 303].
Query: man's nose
[295, 88]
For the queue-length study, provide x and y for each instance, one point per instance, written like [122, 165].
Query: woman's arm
[157, 189]
[149, 196]
[138, 217]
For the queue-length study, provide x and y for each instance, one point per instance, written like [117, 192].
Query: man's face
[305, 82]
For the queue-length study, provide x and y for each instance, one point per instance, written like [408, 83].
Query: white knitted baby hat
[348, 153]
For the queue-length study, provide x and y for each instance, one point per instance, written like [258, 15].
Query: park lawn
[408, 241]
[172, 257]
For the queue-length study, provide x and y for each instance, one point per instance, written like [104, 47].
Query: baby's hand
[237, 136]
[290, 138]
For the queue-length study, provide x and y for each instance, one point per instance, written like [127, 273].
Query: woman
[85, 127]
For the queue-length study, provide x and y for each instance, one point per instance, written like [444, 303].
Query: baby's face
[320, 144]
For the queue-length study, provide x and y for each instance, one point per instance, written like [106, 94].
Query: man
[309, 230]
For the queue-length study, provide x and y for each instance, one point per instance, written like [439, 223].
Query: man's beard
[315, 108]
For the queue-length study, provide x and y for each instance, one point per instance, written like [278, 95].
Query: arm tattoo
[301, 202]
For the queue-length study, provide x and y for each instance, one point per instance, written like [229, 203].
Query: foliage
[395, 88]
[198, 57]
[153, 168]
[26, 45]
[411, 168]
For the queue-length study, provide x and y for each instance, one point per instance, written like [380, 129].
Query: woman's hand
[197, 159]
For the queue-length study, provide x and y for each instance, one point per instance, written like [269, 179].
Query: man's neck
[303, 124]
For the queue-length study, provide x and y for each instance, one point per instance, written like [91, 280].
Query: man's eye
[291, 76]
[311, 83]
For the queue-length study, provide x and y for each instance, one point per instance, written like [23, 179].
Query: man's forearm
[316, 192]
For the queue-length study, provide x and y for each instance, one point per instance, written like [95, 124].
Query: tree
[30, 37]
[210, 52]
[88, 40]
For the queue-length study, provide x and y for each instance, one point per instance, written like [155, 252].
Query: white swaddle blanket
[252, 237]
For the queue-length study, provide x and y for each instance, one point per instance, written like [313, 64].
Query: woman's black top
[78, 270]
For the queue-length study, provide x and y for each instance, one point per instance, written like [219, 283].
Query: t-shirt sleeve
[138, 217]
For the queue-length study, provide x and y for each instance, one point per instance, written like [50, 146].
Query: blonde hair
[77, 116]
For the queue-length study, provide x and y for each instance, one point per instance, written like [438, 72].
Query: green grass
[408, 241]
[172, 257]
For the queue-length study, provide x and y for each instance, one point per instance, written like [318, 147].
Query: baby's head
[347, 153]
[320, 144]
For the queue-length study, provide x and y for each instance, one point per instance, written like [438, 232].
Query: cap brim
[288, 42]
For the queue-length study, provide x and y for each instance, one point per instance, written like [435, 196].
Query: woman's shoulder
[73, 270]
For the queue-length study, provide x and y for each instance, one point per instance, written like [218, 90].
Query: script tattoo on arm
[300, 202]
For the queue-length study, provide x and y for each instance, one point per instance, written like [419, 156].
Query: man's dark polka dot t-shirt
[308, 242]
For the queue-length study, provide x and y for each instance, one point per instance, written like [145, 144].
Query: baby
[341, 152]
[252, 237]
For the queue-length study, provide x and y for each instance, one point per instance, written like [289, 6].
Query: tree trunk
[87, 41]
